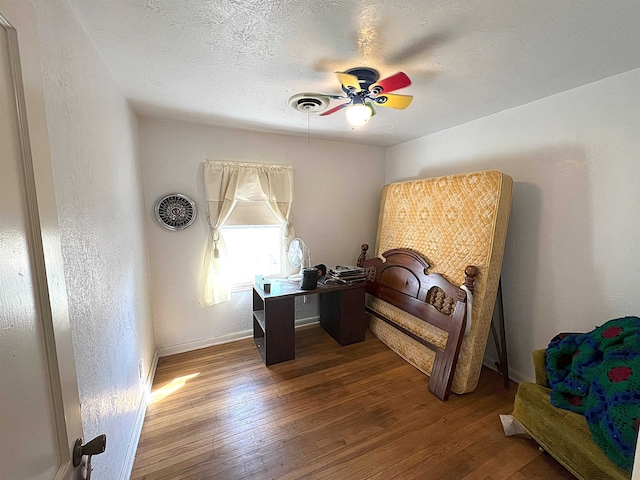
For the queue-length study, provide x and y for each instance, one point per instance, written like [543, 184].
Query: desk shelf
[258, 333]
[258, 315]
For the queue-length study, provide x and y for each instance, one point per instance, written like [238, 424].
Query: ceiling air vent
[309, 102]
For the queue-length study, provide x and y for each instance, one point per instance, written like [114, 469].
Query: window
[252, 250]
[249, 214]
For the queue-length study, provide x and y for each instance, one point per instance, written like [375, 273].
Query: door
[39, 408]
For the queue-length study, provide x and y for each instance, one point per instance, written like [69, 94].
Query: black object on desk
[309, 278]
[342, 315]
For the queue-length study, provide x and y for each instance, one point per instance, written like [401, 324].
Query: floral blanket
[597, 374]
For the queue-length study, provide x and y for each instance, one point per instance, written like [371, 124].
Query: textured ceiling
[237, 62]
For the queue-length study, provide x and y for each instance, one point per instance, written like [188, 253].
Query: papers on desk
[345, 274]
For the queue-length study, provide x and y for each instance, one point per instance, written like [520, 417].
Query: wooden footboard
[401, 279]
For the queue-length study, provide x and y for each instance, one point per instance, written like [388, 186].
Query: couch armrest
[539, 364]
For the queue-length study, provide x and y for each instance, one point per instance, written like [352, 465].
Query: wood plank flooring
[355, 412]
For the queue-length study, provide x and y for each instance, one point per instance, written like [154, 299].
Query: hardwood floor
[334, 412]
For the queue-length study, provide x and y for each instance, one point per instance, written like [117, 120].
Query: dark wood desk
[342, 315]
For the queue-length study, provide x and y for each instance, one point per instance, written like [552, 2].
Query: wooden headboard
[401, 279]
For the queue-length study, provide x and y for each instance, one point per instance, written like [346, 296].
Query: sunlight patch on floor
[175, 384]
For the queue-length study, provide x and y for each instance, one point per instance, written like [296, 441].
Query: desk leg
[342, 315]
[279, 333]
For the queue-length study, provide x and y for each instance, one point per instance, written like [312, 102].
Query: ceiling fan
[363, 89]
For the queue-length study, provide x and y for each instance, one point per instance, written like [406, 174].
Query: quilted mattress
[452, 221]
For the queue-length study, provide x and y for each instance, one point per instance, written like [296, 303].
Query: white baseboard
[206, 342]
[232, 337]
[139, 421]
[514, 375]
[303, 322]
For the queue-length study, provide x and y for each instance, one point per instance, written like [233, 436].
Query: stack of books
[346, 274]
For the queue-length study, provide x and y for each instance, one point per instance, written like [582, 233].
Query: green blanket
[597, 374]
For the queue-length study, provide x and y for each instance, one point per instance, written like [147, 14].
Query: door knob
[94, 447]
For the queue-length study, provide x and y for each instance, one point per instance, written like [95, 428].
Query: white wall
[336, 196]
[97, 178]
[571, 258]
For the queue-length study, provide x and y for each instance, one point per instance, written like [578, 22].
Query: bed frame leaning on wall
[401, 279]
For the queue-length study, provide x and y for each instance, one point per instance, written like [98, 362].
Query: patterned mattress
[452, 222]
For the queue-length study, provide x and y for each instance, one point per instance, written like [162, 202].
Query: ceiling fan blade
[421, 47]
[389, 84]
[349, 82]
[335, 109]
[334, 97]
[393, 101]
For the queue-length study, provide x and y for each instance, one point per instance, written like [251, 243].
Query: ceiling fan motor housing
[366, 77]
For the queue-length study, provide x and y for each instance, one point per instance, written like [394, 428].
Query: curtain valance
[250, 182]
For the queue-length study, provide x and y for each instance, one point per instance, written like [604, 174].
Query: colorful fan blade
[349, 82]
[334, 97]
[393, 101]
[389, 84]
[335, 109]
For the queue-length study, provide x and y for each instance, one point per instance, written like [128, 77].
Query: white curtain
[226, 184]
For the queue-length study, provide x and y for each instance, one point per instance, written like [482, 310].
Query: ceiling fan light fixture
[363, 89]
[358, 114]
